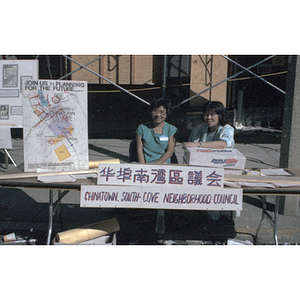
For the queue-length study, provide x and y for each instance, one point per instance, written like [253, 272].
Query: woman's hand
[190, 144]
[211, 145]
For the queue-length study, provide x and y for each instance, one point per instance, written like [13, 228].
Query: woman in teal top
[156, 139]
[155, 143]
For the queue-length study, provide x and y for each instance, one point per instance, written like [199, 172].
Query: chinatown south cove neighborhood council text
[167, 187]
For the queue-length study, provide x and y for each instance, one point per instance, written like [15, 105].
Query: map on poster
[55, 127]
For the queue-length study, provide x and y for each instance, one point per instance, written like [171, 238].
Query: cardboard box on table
[221, 158]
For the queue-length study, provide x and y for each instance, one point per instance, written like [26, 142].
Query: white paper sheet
[84, 176]
[56, 178]
[284, 185]
[274, 172]
[249, 184]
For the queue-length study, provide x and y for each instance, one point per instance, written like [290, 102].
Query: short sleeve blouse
[224, 133]
[155, 145]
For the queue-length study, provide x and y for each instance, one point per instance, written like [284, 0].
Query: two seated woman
[156, 139]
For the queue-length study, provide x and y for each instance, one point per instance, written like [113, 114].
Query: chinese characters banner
[160, 176]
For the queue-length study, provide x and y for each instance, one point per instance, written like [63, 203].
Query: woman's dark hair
[219, 109]
[161, 102]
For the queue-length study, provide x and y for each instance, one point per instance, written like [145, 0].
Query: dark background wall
[115, 114]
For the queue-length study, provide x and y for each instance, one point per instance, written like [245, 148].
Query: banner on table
[160, 198]
[160, 176]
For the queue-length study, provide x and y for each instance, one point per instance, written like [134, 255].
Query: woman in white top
[215, 132]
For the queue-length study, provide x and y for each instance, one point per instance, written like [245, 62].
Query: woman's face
[159, 114]
[211, 119]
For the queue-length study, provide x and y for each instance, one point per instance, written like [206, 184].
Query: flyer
[55, 127]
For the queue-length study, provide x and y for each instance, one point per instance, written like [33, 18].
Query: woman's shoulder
[143, 128]
[170, 125]
[227, 127]
[201, 126]
[145, 125]
[171, 129]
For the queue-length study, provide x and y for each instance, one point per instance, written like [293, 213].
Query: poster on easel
[12, 74]
[55, 126]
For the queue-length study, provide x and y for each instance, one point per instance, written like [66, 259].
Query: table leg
[273, 220]
[50, 216]
[53, 210]
[263, 199]
[276, 210]
[6, 161]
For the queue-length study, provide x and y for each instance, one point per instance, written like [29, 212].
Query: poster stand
[6, 143]
[8, 156]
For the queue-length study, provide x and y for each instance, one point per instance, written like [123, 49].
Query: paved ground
[25, 211]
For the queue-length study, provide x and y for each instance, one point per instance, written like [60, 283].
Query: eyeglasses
[156, 112]
[209, 113]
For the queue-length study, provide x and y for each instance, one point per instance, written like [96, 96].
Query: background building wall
[120, 69]
[207, 70]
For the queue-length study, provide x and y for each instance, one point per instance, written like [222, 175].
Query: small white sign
[160, 176]
[5, 137]
[166, 198]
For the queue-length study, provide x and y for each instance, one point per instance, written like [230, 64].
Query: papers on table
[57, 178]
[84, 176]
[266, 172]
[284, 185]
[259, 184]
[62, 178]
[274, 172]
[65, 178]
[261, 173]
[239, 184]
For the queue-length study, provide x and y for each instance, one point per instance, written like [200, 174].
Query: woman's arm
[169, 152]
[139, 148]
[212, 145]
[226, 139]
